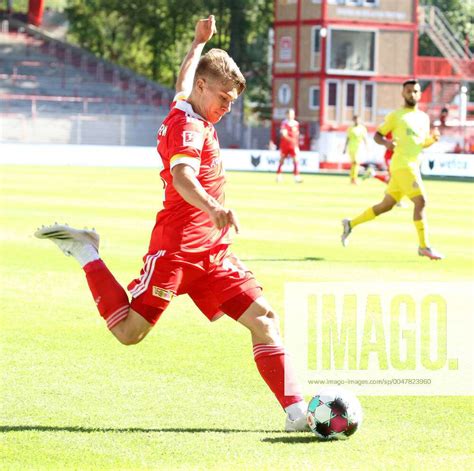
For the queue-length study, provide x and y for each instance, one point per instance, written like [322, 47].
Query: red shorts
[216, 281]
[288, 151]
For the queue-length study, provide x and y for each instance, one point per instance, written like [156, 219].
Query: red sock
[382, 178]
[280, 165]
[110, 297]
[270, 360]
[296, 170]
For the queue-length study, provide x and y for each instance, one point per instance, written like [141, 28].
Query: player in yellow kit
[356, 135]
[410, 128]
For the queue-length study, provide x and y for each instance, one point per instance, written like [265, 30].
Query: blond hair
[217, 65]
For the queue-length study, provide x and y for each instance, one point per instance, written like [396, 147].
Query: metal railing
[60, 127]
[82, 129]
[435, 24]
[101, 69]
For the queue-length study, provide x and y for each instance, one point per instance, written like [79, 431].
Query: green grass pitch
[189, 396]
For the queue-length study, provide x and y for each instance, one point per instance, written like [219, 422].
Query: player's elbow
[379, 139]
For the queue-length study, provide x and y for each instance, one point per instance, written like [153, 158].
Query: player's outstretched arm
[188, 186]
[204, 31]
[381, 140]
[432, 138]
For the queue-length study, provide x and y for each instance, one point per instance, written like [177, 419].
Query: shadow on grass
[52, 428]
[295, 439]
[305, 259]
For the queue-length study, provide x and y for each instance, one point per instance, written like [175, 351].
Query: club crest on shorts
[165, 294]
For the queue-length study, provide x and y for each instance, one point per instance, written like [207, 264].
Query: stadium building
[336, 58]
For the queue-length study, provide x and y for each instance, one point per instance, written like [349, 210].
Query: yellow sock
[354, 170]
[366, 216]
[422, 231]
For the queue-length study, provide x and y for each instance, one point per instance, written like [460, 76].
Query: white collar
[185, 106]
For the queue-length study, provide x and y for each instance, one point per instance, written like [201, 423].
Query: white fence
[255, 160]
[112, 129]
[122, 130]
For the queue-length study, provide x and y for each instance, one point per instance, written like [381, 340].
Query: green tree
[21, 6]
[460, 14]
[152, 37]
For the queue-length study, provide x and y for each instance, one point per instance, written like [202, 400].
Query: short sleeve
[387, 125]
[185, 143]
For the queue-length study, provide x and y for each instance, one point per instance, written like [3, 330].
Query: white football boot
[298, 425]
[82, 244]
[430, 253]
[296, 417]
[369, 173]
[346, 230]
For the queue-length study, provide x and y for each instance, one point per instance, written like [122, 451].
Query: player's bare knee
[127, 336]
[266, 327]
[420, 203]
[384, 206]
[129, 339]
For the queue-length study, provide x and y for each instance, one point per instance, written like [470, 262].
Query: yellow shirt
[410, 129]
[355, 136]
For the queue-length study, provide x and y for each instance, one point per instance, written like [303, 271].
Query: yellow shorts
[405, 182]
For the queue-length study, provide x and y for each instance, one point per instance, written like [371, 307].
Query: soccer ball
[334, 413]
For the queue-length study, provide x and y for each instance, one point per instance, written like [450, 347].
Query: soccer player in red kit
[189, 247]
[383, 176]
[289, 144]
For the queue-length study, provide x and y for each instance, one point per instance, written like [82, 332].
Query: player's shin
[270, 360]
[296, 170]
[109, 296]
[422, 231]
[366, 216]
[382, 177]
[280, 165]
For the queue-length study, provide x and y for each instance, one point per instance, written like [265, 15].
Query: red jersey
[187, 138]
[292, 128]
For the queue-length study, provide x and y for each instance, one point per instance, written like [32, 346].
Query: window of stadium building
[314, 98]
[352, 3]
[351, 52]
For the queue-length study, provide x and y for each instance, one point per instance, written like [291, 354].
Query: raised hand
[205, 29]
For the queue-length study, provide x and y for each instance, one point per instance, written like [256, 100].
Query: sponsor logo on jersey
[193, 139]
[411, 132]
[162, 130]
[165, 294]
[215, 162]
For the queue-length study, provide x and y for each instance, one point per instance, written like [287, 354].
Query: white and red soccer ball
[334, 413]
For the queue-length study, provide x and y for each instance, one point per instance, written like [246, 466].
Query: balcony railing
[436, 67]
